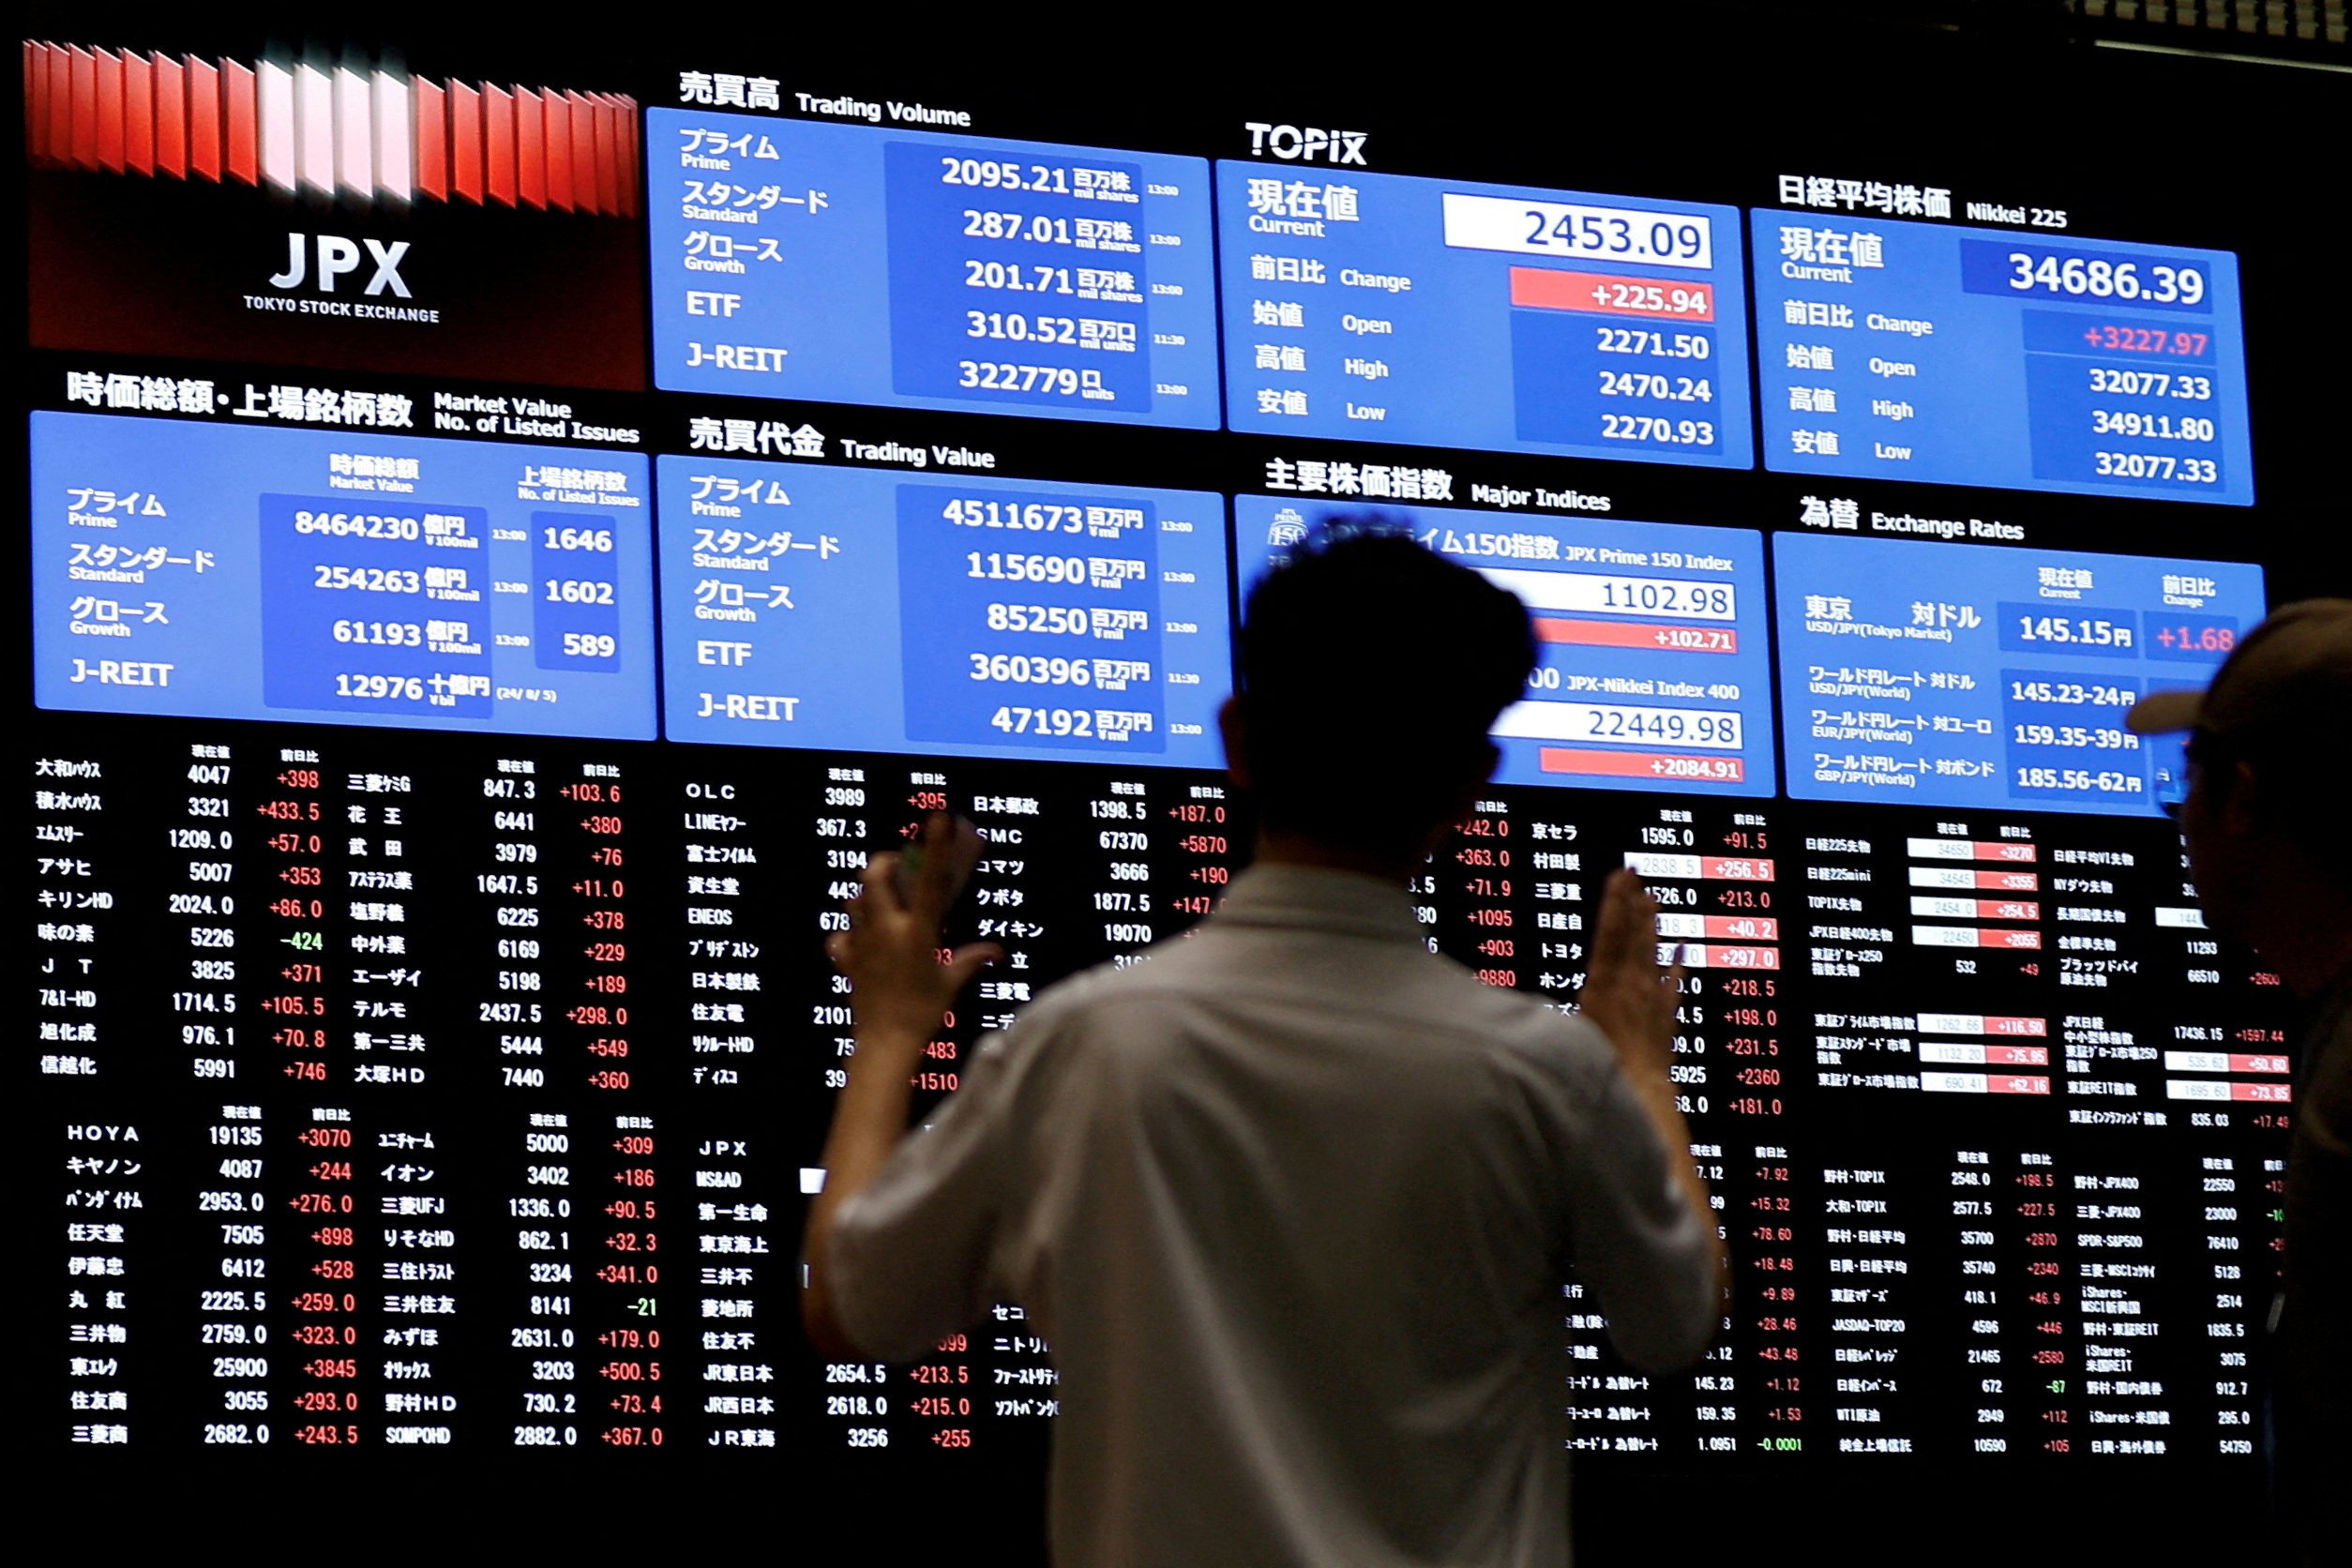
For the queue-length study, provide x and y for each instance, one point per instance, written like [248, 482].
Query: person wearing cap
[2269, 773]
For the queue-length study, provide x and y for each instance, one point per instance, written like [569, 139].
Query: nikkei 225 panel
[1983, 356]
[850, 263]
[1450, 313]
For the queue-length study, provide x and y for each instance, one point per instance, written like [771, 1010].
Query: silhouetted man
[2270, 775]
[1293, 1199]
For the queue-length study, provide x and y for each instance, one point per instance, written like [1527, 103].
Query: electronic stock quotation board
[505, 547]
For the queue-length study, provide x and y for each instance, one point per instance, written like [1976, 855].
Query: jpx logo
[1305, 144]
[339, 257]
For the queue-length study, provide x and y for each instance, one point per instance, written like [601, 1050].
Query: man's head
[2270, 765]
[1371, 673]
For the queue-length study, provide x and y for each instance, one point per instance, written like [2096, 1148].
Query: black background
[1699, 103]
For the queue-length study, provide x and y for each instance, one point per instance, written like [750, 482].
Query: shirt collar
[1317, 899]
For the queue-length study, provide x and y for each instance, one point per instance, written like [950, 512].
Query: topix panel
[1652, 672]
[1986, 357]
[797, 259]
[948, 615]
[1448, 313]
[1957, 675]
[340, 578]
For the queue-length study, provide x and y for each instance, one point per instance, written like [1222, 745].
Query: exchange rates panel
[792, 258]
[1946, 674]
[1444, 314]
[1984, 356]
[1652, 669]
[968, 617]
[341, 578]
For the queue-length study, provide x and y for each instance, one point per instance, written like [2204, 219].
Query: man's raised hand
[1625, 992]
[1633, 1002]
[899, 980]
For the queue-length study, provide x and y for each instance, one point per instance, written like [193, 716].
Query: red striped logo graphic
[365, 136]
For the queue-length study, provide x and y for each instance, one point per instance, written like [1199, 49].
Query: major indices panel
[1652, 669]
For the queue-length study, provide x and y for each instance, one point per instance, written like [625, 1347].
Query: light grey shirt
[1292, 1200]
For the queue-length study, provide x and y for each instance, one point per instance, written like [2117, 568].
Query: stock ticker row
[188, 569]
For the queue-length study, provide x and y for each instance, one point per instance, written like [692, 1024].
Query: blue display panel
[847, 263]
[863, 609]
[1953, 674]
[1652, 672]
[344, 579]
[1444, 313]
[1984, 356]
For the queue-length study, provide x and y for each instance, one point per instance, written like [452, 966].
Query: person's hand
[1625, 992]
[899, 983]
[1634, 999]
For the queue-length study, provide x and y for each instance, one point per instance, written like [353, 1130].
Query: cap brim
[2161, 712]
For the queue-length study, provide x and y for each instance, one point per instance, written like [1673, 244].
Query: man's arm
[900, 988]
[1632, 1000]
